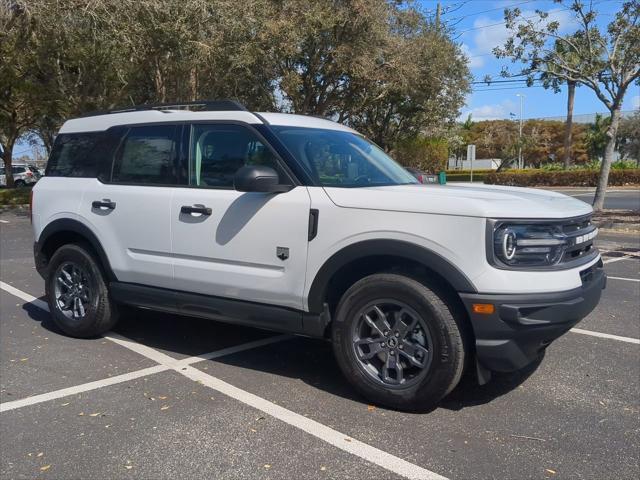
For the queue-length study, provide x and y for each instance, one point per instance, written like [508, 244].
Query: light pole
[520, 160]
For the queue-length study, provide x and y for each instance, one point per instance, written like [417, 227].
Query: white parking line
[617, 259]
[327, 434]
[36, 302]
[606, 335]
[622, 278]
[85, 387]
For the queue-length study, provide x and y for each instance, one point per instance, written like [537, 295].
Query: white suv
[302, 225]
[23, 175]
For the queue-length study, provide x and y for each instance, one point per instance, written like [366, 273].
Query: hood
[470, 200]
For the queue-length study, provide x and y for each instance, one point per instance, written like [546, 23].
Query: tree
[376, 65]
[596, 138]
[629, 138]
[571, 93]
[19, 86]
[607, 62]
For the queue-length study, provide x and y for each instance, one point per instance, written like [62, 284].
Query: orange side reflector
[484, 308]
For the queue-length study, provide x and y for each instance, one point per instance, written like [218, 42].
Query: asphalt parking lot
[165, 397]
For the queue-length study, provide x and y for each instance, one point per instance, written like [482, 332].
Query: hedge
[465, 175]
[14, 196]
[573, 178]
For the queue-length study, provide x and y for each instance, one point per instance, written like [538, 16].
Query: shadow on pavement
[309, 360]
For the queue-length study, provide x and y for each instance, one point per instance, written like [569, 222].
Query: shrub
[427, 154]
[574, 178]
[455, 176]
[14, 196]
[624, 165]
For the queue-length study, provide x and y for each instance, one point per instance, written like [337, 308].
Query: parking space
[142, 404]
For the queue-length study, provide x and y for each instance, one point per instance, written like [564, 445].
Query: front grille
[581, 234]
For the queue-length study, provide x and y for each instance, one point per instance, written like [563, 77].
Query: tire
[74, 272]
[431, 353]
[19, 184]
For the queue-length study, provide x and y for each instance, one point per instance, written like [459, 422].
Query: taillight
[31, 205]
[420, 178]
[29, 174]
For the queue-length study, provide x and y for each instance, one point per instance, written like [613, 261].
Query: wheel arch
[64, 231]
[377, 255]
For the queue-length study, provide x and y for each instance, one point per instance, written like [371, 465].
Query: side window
[17, 170]
[147, 156]
[76, 155]
[218, 151]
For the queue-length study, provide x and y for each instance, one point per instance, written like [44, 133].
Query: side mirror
[258, 178]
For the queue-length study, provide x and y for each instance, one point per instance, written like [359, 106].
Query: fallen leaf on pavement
[45, 468]
[552, 472]
[164, 407]
[371, 408]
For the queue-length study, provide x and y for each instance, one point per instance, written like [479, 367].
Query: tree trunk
[569, 125]
[603, 180]
[7, 157]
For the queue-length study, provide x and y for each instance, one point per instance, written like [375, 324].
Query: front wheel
[398, 342]
[77, 293]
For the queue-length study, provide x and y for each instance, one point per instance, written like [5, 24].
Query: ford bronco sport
[299, 224]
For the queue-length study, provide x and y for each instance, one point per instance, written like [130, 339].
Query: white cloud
[489, 35]
[494, 111]
[474, 60]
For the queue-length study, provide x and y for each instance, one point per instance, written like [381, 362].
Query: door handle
[104, 203]
[195, 209]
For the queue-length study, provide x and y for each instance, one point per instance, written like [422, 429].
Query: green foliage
[596, 137]
[629, 137]
[427, 154]
[377, 65]
[624, 165]
[14, 196]
[574, 178]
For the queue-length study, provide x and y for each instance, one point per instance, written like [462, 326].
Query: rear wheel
[77, 293]
[19, 184]
[398, 342]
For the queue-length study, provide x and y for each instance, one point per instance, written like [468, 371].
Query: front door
[225, 243]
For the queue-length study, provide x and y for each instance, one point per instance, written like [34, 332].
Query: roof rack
[202, 105]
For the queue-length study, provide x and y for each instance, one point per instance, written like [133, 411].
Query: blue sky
[479, 28]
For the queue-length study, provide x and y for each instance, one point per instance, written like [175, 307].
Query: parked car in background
[23, 175]
[416, 173]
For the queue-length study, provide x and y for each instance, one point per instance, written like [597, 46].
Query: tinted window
[342, 159]
[77, 154]
[218, 151]
[16, 170]
[147, 156]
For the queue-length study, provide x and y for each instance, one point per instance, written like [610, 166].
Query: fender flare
[384, 247]
[75, 226]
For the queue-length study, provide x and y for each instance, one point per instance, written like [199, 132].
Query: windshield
[342, 159]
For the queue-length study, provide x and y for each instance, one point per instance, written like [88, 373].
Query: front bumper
[523, 325]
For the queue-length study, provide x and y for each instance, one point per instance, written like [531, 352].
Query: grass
[14, 196]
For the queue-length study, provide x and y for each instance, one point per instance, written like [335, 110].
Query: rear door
[246, 246]
[129, 204]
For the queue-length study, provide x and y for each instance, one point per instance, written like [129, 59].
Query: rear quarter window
[78, 154]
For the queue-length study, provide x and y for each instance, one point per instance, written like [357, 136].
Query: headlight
[524, 245]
